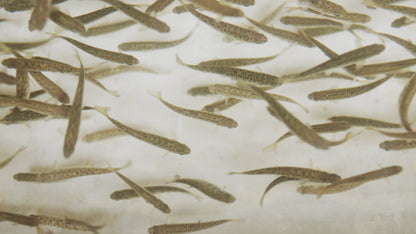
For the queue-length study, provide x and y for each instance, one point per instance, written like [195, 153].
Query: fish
[18, 46]
[364, 122]
[62, 174]
[405, 43]
[150, 45]
[39, 14]
[289, 78]
[65, 20]
[218, 7]
[309, 21]
[34, 64]
[139, 16]
[103, 134]
[292, 37]
[66, 223]
[157, 6]
[74, 122]
[405, 10]
[253, 77]
[237, 62]
[235, 31]
[185, 227]
[398, 145]
[221, 104]
[159, 141]
[7, 79]
[275, 182]
[101, 53]
[326, 7]
[8, 160]
[342, 185]
[199, 90]
[295, 172]
[335, 94]
[242, 2]
[407, 135]
[18, 218]
[111, 70]
[405, 99]
[208, 189]
[202, 115]
[401, 22]
[22, 84]
[58, 111]
[94, 15]
[322, 30]
[324, 128]
[22, 5]
[130, 193]
[143, 192]
[183, 8]
[303, 131]
[107, 28]
[17, 116]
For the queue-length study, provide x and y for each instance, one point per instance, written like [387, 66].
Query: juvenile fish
[107, 28]
[237, 62]
[17, 116]
[258, 78]
[111, 70]
[103, 54]
[7, 161]
[22, 5]
[70, 224]
[242, 2]
[158, 6]
[322, 31]
[309, 21]
[303, 131]
[405, 99]
[139, 16]
[62, 174]
[405, 10]
[202, 115]
[398, 145]
[18, 46]
[292, 37]
[295, 172]
[185, 227]
[22, 84]
[159, 141]
[66, 21]
[146, 194]
[7, 79]
[150, 45]
[326, 7]
[18, 218]
[364, 122]
[95, 15]
[208, 189]
[230, 29]
[334, 94]
[103, 134]
[218, 7]
[221, 104]
[402, 21]
[407, 135]
[275, 182]
[39, 14]
[322, 128]
[58, 111]
[130, 193]
[199, 90]
[34, 64]
[405, 43]
[377, 68]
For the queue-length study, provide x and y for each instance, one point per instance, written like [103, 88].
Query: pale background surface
[384, 206]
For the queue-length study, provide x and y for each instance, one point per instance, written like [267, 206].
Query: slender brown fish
[7, 161]
[237, 62]
[95, 15]
[398, 145]
[405, 99]
[221, 104]
[364, 122]
[107, 28]
[405, 43]
[275, 182]
[242, 2]
[18, 218]
[18, 46]
[22, 84]
[199, 90]
[66, 21]
[114, 70]
[58, 111]
[407, 135]
[402, 21]
[17, 116]
[7, 79]
[139, 16]
[151, 45]
[218, 7]
[70, 224]
[34, 64]
[146, 194]
[158, 6]
[39, 14]
[208, 189]
[185, 227]
[130, 193]
[326, 7]
[103, 134]
[159, 141]
[309, 21]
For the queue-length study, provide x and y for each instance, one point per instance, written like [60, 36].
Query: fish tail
[233, 173]
[271, 147]
[156, 94]
[102, 110]
[179, 60]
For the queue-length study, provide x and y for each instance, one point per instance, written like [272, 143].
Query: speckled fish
[22, 84]
[405, 99]
[130, 193]
[18, 46]
[139, 16]
[74, 122]
[17, 116]
[94, 15]
[65, 21]
[340, 186]
[208, 189]
[242, 2]
[230, 29]
[103, 134]
[22, 5]
[8, 160]
[405, 10]
[39, 14]
[185, 227]
[322, 30]
[103, 54]
[151, 45]
[335, 94]
[18, 218]
[62, 174]
[182, 8]
[107, 28]
[292, 37]
[237, 62]
[65, 223]
[159, 141]
[405, 43]
[378, 68]
[199, 90]
[157, 6]
[322, 128]
[401, 22]
[398, 145]
[346, 59]
[275, 182]
[114, 70]
[295, 172]
[146, 194]
[202, 115]
[326, 7]
[7, 79]
[364, 122]
[34, 64]
[253, 77]
[309, 21]
[221, 104]
[218, 7]
[303, 131]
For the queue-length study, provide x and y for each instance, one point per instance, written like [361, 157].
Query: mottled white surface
[383, 206]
